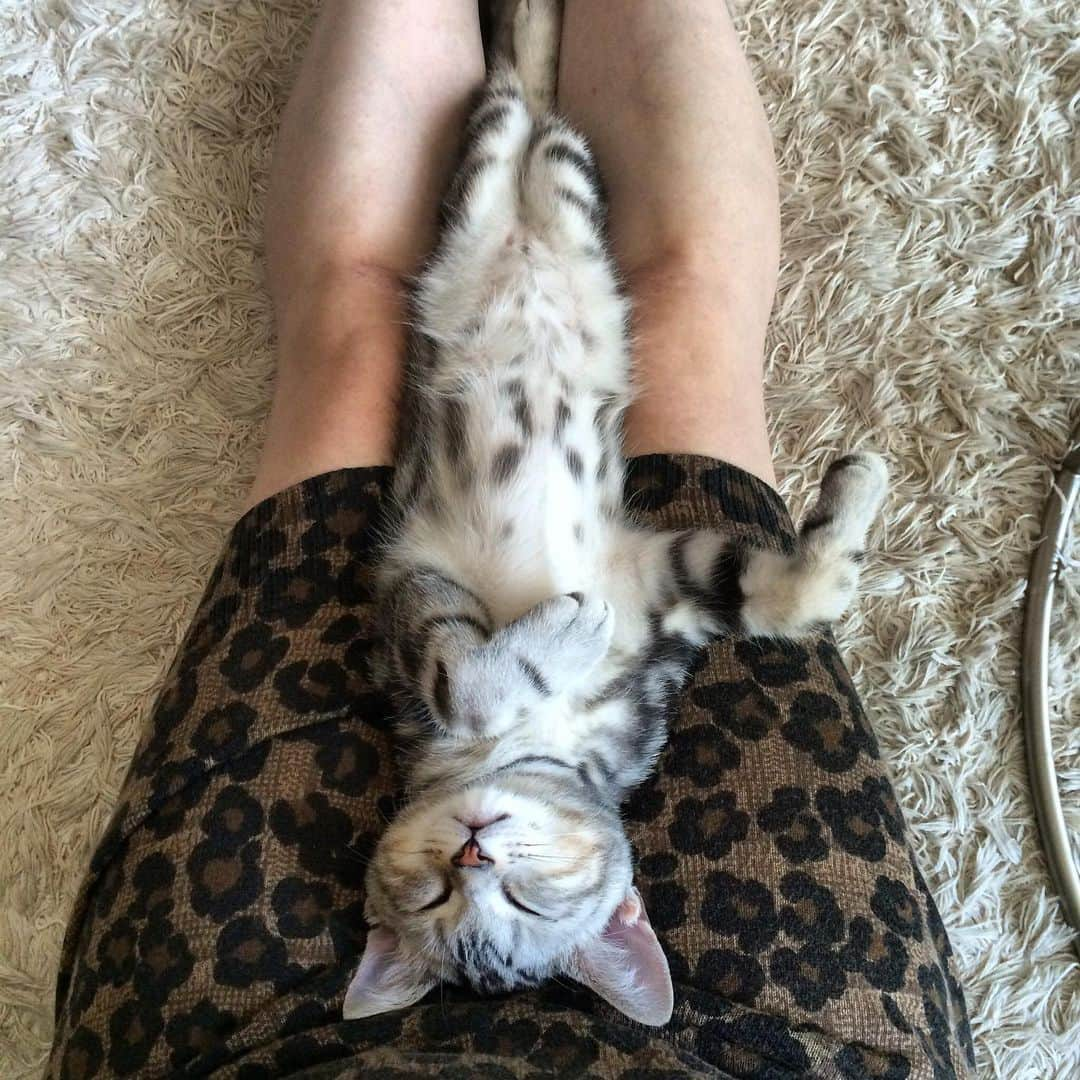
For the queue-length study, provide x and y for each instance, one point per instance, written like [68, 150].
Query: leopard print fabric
[222, 914]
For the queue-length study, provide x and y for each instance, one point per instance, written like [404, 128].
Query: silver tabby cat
[537, 633]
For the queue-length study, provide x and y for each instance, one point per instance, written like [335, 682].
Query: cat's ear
[384, 980]
[627, 967]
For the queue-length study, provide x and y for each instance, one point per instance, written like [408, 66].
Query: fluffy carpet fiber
[931, 216]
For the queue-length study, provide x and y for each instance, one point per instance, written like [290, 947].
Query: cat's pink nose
[471, 855]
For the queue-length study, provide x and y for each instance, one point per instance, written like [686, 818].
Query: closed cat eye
[511, 898]
[438, 901]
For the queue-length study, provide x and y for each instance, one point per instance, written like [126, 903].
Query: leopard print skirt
[222, 914]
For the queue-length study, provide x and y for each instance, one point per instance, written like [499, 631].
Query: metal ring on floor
[1046, 564]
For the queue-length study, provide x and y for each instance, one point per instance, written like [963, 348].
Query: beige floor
[931, 261]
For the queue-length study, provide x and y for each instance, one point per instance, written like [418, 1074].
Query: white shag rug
[932, 223]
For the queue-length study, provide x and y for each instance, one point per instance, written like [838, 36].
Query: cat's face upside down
[500, 886]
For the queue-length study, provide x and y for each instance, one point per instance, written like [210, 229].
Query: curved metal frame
[1045, 566]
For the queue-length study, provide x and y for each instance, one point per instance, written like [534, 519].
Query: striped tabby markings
[489, 117]
[515, 389]
[575, 464]
[534, 675]
[560, 151]
[563, 416]
[505, 462]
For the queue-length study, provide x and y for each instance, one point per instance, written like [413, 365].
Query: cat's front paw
[576, 627]
[559, 641]
[480, 699]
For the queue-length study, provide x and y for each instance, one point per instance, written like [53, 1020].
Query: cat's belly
[524, 476]
[534, 537]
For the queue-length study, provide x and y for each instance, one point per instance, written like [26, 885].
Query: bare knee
[322, 296]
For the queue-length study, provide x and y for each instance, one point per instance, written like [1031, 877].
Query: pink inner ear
[370, 989]
[378, 949]
[385, 979]
[635, 976]
[371, 975]
[628, 912]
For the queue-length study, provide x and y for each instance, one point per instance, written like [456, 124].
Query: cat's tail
[527, 36]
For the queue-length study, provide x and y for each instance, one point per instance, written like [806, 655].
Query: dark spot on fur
[488, 117]
[505, 463]
[522, 411]
[562, 418]
[535, 677]
[579, 533]
[455, 423]
[575, 464]
[816, 521]
[844, 462]
[569, 155]
[572, 198]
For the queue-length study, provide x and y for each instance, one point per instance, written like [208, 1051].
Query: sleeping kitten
[537, 633]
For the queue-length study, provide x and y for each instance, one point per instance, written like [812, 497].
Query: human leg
[773, 858]
[367, 143]
[222, 908]
[668, 103]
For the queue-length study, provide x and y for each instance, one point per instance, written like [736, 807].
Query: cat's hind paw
[852, 492]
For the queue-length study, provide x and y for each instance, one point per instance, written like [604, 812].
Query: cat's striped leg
[482, 195]
[546, 652]
[433, 623]
[698, 584]
[564, 198]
